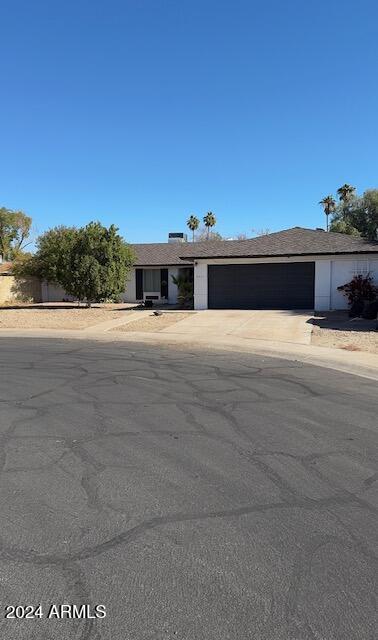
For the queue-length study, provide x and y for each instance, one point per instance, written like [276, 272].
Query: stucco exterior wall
[330, 272]
[322, 298]
[129, 294]
[19, 289]
[342, 271]
[200, 284]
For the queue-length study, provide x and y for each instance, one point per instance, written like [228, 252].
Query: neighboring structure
[292, 269]
[14, 289]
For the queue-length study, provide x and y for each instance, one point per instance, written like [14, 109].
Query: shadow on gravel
[340, 321]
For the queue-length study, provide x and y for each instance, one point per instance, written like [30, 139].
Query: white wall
[342, 271]
[322, 298]
[54, 293]
[172, 287]
[129, 294]
[330, 272]
[200, 285]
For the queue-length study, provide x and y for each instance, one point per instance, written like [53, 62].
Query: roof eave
[284, 255]
[163, 264]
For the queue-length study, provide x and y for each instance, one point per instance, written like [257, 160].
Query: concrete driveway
[278, 326]
[210, 496]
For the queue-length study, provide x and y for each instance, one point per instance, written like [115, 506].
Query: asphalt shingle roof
[291, 242]
[159, 254]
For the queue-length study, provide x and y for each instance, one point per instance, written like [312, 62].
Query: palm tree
[209, 221]
[193, 224]
[329, 206]
[346, 193]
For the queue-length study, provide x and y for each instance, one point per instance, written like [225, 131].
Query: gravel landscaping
[153, 323]
[58, 317]
[348, 340]
[336, 330]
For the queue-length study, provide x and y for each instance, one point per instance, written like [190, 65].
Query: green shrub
[185, 288]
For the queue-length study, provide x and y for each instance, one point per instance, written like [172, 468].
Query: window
[151, 280]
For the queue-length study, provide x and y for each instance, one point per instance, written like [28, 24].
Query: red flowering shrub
[360, 288]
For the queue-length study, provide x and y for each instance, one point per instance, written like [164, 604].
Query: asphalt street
[197, 496]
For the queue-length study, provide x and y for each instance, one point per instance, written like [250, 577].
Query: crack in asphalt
[226, 416]
[125, 537]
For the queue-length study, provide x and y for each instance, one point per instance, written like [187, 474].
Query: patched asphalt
[198, 496]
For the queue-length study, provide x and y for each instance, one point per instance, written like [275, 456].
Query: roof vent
[177, 237]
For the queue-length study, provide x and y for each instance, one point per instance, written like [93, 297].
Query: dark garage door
[261, 286]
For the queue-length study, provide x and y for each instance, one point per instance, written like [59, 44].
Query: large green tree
[90, 263]
[14, 231]
[52, 260]
[339, 225]
[358, 215]
[100, 263]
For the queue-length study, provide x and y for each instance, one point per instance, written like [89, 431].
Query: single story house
[293, 269]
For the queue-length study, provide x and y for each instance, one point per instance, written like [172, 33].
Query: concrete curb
[357, 363]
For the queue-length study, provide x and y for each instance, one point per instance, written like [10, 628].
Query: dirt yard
[53, 316]
[338, 331]
[153, 323]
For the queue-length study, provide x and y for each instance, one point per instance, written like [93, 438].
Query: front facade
[292, 269]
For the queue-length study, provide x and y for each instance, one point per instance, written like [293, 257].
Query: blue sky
[142, 112]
